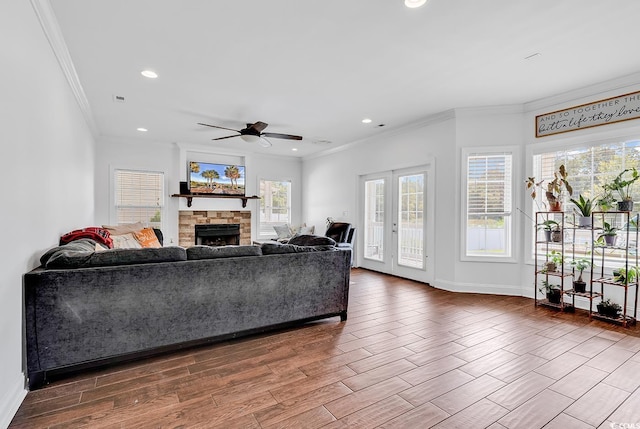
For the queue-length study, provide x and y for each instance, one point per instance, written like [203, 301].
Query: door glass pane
[410, 220]
[374, 219]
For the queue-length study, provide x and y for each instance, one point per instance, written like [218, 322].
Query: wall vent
[118, 98]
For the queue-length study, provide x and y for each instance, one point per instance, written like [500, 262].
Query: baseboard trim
[11, 401]
[489, 289]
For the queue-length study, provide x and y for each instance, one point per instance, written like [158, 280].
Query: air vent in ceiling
[118, 98]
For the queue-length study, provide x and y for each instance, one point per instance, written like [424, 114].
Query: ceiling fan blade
[227, 137]
[258, 126]
[264, 142]
[282, 136]
[215, 126]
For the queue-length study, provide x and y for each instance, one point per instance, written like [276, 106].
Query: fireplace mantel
[190, 197]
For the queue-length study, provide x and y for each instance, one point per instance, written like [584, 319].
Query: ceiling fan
[253, 133]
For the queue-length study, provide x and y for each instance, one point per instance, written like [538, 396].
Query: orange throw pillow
[147, 238]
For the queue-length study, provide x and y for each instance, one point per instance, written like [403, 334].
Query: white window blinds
[488, 205]
[139, 197]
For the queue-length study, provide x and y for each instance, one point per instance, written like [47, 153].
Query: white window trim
[515, 192]
[113, 214]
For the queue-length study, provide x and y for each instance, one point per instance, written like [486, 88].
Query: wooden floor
[409, 356]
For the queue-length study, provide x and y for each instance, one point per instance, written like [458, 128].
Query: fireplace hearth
[217, 234]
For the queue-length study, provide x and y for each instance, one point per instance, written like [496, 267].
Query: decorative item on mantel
[555, 188]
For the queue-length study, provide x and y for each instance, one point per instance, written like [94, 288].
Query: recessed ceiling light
[414, 3]
[366, 121]
[295, 149]
[143, 130]
[150, 74]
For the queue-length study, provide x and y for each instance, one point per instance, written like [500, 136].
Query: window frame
[512, 227]
[113, 218]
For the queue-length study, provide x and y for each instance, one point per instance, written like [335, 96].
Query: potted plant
[585, 207]
[554, 261]
[606, 200]
[580, 264]
[552, 292]
[609, 233]
[610, 309]
[622, 184]
[625, 275]
[551, 230]
[554, 190]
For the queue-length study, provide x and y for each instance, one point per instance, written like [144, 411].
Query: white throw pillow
[283, 231]
[125, 241]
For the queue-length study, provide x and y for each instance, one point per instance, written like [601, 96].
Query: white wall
[172, 159]
[46, 172]
[331, 181]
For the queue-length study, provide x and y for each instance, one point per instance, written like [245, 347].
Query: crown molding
[624, 84]
[51, 29]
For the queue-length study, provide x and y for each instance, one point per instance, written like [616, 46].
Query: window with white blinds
[139, 197]
[488, 205]
[589, 167]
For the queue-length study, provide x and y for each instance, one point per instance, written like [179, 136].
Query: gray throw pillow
[208, 252]
[276, 249]
[312, 240]
[82, 245]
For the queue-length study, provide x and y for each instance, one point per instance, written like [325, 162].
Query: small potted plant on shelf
[554, 261]
[622, 184]
[551, 230]
[555, 188]
[552, 292]
[609, 309]
[606, 200]
[580, 264]
[609, 233]
[585, 207]
[625, 275]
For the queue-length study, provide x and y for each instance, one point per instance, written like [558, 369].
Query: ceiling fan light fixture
[250, 138]
[412, 4]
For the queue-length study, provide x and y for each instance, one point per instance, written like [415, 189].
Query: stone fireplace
[228, 220]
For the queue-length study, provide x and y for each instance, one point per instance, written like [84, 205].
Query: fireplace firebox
[217, 234]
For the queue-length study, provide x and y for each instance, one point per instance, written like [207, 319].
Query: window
[139, 197]
[275, 205]
[589, 167]
[488, 201]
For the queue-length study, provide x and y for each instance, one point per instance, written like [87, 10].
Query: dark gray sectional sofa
[88, 309]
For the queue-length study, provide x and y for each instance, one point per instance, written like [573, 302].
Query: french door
[397, 223]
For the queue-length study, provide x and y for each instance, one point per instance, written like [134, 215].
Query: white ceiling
[316, 68]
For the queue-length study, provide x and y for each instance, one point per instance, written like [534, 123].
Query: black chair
[343, 234]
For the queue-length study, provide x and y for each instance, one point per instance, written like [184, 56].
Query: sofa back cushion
[209, 252]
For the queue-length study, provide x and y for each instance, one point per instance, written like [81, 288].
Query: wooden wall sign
[602, 112]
